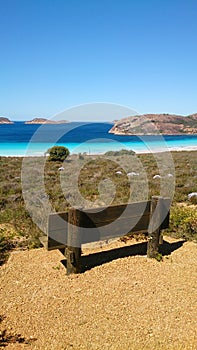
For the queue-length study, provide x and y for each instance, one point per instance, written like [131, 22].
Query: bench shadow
[97, 259]
[167, 248]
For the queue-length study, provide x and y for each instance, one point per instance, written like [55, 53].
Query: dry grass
[97, 179]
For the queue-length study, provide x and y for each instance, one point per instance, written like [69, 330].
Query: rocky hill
[45, 121]
[150, 124]
[4, 120]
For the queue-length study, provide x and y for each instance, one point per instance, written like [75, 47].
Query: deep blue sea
[20, 139]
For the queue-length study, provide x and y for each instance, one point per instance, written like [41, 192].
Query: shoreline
[138, 152]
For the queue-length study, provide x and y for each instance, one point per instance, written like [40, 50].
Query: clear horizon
[74, 120]
[55, 55]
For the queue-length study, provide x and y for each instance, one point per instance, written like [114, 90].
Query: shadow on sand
[96, 259]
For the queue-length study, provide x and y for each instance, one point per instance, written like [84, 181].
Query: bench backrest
[105, 223]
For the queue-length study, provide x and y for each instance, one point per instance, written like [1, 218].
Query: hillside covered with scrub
[150, 124]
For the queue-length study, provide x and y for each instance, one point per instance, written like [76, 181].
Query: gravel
[126, 304]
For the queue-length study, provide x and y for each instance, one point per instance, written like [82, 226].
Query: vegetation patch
[183, 221]
[58, 153]
[120, 153]
[17, 230]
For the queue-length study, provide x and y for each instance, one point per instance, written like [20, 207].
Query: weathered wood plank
[57, 221]
[50, 243]
[112, 213]
[165, 213]
[154, 227]
[57, 230]
[73, 249]
[69, 230]
[116, 229]
[130, 221]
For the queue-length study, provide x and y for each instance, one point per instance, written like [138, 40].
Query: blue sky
[55, 54]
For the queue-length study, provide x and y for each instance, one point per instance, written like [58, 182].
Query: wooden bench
[67, 231]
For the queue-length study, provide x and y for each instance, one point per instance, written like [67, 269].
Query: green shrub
[120, 153]
[58, 153]
[159, 257]
[183, 222]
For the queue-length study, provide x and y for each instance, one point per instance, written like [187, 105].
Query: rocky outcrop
[4, 120]
[45, 121]
[152, 124]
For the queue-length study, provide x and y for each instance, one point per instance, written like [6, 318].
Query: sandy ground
[125, 304]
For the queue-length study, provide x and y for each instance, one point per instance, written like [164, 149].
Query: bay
[20, 139]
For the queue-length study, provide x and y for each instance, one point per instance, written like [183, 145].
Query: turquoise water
[38, 149]
[21, 139]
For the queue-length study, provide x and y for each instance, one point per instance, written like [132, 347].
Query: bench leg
[73, 256]
[160, 239]
[73, 249]
[154, 231]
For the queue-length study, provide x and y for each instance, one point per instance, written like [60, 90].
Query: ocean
[20, 139]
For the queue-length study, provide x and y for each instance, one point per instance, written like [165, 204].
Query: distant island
[46, 121]
[4, 120]
[150, 124]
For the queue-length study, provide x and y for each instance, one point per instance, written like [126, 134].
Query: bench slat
[118, 228]
[110, 222]
[114, 212]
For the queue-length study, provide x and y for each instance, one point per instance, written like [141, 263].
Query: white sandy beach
[14, 153]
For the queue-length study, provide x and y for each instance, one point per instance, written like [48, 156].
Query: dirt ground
[122, 303]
